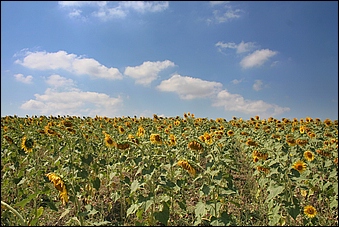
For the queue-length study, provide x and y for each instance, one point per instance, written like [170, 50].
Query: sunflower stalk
[15, 212]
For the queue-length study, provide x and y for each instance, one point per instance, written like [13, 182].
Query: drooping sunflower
[27, 144]
[60, 186]
[263, 169]
[300, 166]
[194, 145]
[309, 155]
[301, 142]
[310, 211]
[185, 165]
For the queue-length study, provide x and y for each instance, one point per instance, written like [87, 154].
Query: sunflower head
[108, 141]
[27, 144]
[300, 166]
[309, 155]
[310, 211]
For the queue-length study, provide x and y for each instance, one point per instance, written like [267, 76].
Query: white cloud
[142, 6]
[106, 10]
[58, 81]
[235, 102]
[189, 87]
[69, 62]
[257, 86]
[147, 72]
[225, 12]
[235, 81]
[21, 78]
[257, 58]
[65, 99]
[241, 47]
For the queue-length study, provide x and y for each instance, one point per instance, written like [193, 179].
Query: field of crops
[68, 170]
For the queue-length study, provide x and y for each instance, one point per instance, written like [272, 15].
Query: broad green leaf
[163, 215]
[205, 189]
[274, 191]
[200, 209]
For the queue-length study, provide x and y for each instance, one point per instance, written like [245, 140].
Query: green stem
[15, 212]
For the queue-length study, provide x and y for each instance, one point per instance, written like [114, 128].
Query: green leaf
[132, 209]
[205, 189]
[274, 191]
[294, 211]
[96, 183]
[23, 202]
[200, 209]
[64, 213]
[163, 215]
[135, 186]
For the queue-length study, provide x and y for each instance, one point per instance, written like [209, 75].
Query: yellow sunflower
[60, 186]
[155, 139]
[27, 144]
[230, 133]
[194, 145]
[310, 211]
[309, 155]
[185, 165]
[108, 141]
[300, 166]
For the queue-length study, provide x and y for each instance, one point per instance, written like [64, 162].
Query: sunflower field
[70, 170]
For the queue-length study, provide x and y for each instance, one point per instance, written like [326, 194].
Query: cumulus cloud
[240, 48]
[235, 102]
[189, 87]
[257, 58]
[111, 9]
[148, 71]
[21, 78]
[64, 98]
[57, 81]
[69, 62]
[235, 81]
[257, 86]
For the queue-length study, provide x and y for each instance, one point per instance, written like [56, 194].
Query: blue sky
[213, 59]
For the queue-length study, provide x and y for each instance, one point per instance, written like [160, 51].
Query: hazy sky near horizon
[213, 59]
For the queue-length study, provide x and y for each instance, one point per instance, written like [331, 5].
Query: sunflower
[185, 165]
[310, 211]
[263, 169]
[60, 186]
[300, 166]
[108, 141]
[27, 144]
[121, 129]
[155, 139]
[301, 142]
[122, 146]
[9, 139]
[172, 140]
[309, 155]
[194, 145]
[230, 133]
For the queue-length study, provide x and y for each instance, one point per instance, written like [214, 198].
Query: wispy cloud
[235, 102]
[257, 86]
[69, 62]
[235, 81]
[64, 98]
[257, 58]
[225, 12]
[189, 87]
[107, 10]
[240, 48]
[21, 78]
[147, 72]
